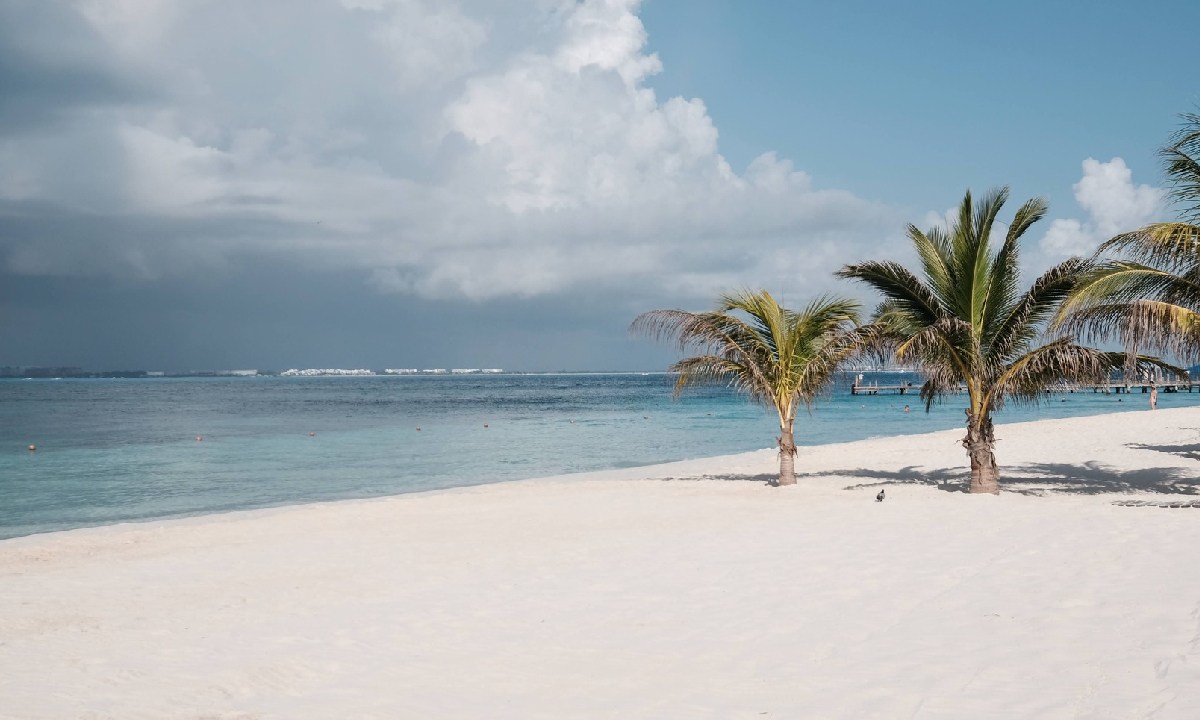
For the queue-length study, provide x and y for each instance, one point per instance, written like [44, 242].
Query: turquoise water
[118, 450]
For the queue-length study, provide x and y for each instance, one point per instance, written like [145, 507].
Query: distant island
[315, 372]
[31, 372]
[19, 372]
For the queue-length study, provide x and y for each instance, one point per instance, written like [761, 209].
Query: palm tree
[1147, 293]
[967, 325]
[777, 356]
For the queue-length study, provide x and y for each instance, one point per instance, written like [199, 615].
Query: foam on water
[119, 450]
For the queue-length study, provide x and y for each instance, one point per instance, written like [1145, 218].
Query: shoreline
[683, 589]
[647, 472]
[93, 471]
[655, 471]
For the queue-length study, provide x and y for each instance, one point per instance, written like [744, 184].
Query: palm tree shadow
[1090, 478]
[947, 479]
[1191, 452]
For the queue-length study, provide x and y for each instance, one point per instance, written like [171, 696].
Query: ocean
[111, 451]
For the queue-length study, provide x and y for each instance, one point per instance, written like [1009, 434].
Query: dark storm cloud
[265, 316]
[44, 238]
[53, 64]
[371, 182]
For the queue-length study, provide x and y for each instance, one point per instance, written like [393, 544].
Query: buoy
[485, 424]
[32, 447]
[312, 434]
[199, 438]
[418, 428]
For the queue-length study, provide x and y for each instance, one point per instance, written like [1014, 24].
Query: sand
[688, 590]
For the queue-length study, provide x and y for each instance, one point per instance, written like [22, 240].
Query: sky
[227, 184]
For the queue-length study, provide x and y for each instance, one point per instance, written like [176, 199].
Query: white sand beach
[624, 595]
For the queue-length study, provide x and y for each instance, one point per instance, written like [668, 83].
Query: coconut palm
[779, 357]
[1147, 292]
[968, 326]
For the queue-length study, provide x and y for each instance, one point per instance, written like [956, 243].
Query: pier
[1118, 388]
[870, 389]
[1111, 388]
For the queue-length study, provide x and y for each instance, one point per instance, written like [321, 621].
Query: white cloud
[577, 127]
[429, 43]
[413, 142]
[1113, 205]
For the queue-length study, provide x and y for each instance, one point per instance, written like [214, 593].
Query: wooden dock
[1112, 388]
[901, 389]
[1117, 388]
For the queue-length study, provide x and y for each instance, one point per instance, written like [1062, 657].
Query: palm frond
[716, 370]
[1050, 365]
[775, 355]
[981, 256]
[711, 333]
[897, 284]
[877, 340]
[1166, 326]
[765, 314]
[822, 337]
[1125, 281]
[940, 381]
[1171, 246]
[933, 248]
[960, 240]
[1019, 327]
[1147, 292]
[1139, 305]
[1005, 286]
[969, 324]
[1145, 366]
[1181, 161]
[1033, 210]
[948, 340]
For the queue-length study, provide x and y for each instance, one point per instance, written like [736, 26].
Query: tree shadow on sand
[1191, 452]
[1091, 478]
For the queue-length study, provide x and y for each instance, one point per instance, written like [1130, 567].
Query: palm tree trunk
[787, 455]
[980, 442]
